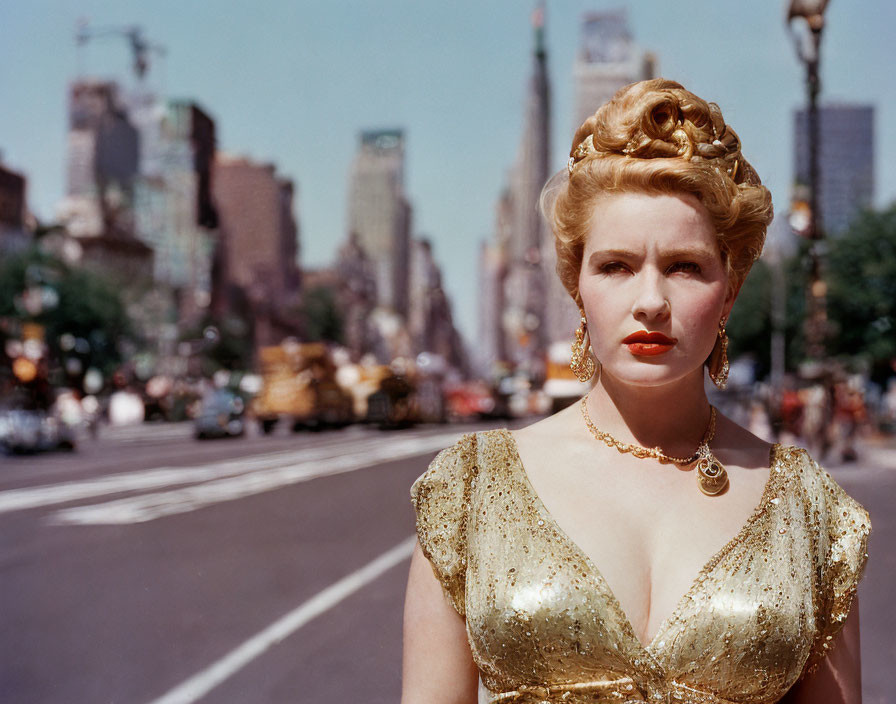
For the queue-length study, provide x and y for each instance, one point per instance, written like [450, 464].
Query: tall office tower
[174, 210]
[103, 162]
[608, 59]
[380, 215]
[845, 161]
[525, 282]
[259, 236]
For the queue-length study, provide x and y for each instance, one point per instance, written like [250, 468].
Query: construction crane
[140, 47]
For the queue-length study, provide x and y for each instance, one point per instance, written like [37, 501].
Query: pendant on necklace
[711, 475]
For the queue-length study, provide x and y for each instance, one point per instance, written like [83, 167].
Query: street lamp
[805, 21]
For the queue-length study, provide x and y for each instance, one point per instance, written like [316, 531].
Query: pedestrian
[638, 545]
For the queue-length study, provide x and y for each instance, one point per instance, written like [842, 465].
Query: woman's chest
[647, 527]
[540, 609]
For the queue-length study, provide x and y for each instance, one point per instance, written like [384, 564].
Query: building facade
[430, 319]
[103, 162]
[175, 214]
[608, 59]
[845, 161]
[258, 234]
[379, 213]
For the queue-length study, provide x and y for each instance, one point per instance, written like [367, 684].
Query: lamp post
[805, 21]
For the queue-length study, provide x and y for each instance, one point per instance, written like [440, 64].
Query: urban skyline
[413, 67]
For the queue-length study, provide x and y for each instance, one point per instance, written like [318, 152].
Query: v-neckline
[650, 649]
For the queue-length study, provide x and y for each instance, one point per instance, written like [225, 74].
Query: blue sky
[294, 82]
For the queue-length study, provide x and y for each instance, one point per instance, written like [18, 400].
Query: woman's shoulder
[551, 430]
[741, 447]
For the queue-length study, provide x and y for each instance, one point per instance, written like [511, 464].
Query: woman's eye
[613, 268]
[686, 267]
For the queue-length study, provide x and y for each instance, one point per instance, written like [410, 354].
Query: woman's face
[654, 287]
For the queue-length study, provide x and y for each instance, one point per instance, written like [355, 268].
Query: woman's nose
[651, 301]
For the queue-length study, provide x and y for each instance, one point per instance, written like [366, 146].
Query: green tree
[750, 324]
[323, 321]
[82, 314]
[861, 276]
[224, 343]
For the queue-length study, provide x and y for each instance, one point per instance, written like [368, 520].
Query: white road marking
[159, 477]
[145, 432]
[148, 507]
[33, 497]
[203, 682]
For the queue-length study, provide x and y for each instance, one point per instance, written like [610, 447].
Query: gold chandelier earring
[718, 360]
[581, 362]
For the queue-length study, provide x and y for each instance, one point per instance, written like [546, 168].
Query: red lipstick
[648, 344]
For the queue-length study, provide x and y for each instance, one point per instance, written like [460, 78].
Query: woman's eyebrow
[688, 253]
[604, 253]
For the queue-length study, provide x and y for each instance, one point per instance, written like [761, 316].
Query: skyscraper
[608, 60]
[380, 215]
[174, 210]
[845, 161]
[103, 162]
[522, 232]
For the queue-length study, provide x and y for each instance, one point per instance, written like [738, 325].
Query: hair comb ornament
[586, 147]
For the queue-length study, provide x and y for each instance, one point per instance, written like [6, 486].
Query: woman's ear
[730, 298]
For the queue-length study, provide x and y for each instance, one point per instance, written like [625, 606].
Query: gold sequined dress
[543, 625]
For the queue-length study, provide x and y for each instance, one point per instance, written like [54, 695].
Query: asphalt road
[150, 568]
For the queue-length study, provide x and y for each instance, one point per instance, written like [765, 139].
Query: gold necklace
[711, 475]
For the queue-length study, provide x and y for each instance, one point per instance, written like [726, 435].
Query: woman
[639, 546]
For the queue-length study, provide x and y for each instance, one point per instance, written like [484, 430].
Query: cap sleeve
[842, 526]
[441, 497]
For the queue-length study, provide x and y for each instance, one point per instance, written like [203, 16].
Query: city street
[150, 568]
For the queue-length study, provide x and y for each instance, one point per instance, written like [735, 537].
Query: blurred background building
[380, 215]
[175, 212]
[430, 320]
[514, 266]
[103, 167]
[259, 242]
[608, 59]
[846, 161]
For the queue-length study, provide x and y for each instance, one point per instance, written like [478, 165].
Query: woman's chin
[652, 375]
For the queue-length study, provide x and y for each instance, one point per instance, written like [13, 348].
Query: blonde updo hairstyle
[656, 137]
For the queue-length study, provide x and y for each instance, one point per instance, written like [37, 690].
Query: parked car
[394, 404]
[25, 430]
[222, 414]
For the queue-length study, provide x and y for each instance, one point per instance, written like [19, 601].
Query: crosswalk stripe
[148, 507]
[160, 477]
